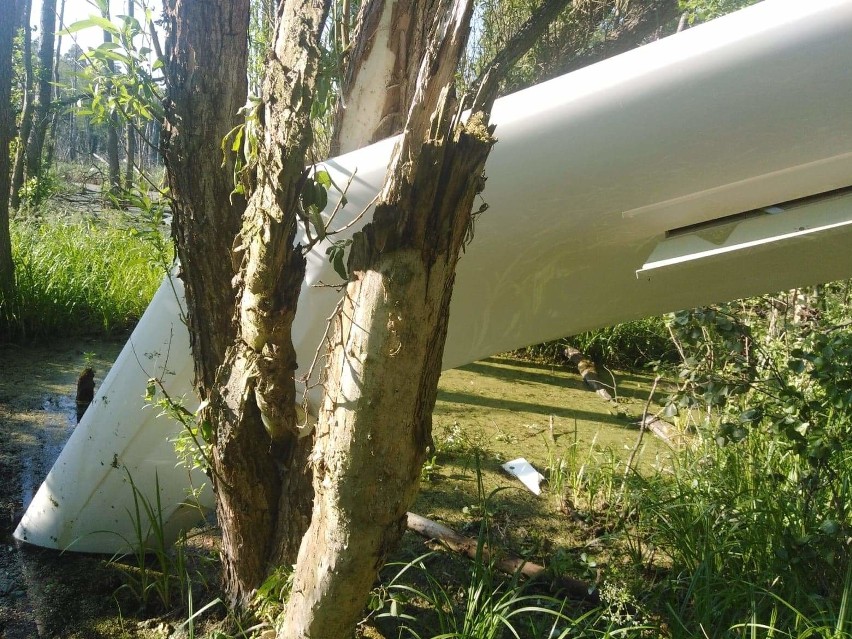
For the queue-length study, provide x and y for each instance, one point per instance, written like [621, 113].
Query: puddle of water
[60, 420]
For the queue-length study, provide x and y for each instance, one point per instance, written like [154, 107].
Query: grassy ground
[746, 539]
[496, 410]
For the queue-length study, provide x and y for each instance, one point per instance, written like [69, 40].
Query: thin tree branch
[520, 43]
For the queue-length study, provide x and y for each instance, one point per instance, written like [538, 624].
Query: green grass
[707, 542]
[77, 277]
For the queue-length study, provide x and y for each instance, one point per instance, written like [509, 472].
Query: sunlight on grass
[78, 277]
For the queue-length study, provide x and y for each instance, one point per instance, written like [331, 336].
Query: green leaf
[749, 415]
[238, 140]
[77, 26]
[830, 527]
[105, 24]
[320, 196]
[323, 178]
[339, 265]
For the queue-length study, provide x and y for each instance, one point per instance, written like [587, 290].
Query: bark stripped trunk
[389, 43]
[387, 346]
[388, 336]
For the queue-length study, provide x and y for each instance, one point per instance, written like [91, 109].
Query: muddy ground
[500, 407]
[44, 593]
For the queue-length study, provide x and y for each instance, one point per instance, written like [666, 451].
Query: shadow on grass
[628, 385]
[526, 407]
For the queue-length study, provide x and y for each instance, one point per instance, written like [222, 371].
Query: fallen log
[661, 429]
[587, 370]
[456, 542]
[669, 434]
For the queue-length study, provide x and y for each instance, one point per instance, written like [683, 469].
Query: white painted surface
[590, 171]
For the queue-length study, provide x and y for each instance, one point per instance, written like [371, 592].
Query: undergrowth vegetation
[742, 530]
[78, 276]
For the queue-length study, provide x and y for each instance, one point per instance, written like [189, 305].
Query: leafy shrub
[633, 344]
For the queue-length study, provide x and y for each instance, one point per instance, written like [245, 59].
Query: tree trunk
[402, 269]
[255, 410]
[35, 146]
[54, 116]
[9, 18]
[114, 174]
[388, 335]
[205, 67]
[252, 397]
[26, 110]
[130, 132]
[388, 45]
[387, 344]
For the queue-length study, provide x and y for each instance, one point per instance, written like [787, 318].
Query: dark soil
[44, 593]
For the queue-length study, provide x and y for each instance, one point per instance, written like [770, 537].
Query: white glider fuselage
[704, 167]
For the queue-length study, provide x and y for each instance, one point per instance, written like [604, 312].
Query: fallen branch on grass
[576, 588]
[586, 368]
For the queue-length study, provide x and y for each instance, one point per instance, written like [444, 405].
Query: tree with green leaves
[282, 497]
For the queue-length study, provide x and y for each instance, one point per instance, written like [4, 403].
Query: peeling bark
[387, 340]
[389, 42]
[253, 405]
[387, 344]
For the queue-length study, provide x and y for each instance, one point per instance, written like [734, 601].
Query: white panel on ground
[590, 172]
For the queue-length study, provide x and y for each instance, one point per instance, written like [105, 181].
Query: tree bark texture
[26, 110]
[263, 490]
[242, 271]
[205, 70]
[388, 44]
[386, 347]
[9, 18]
[388, 336]
[47, 30]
